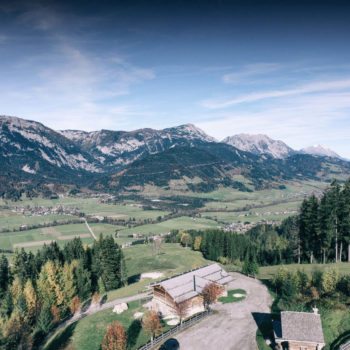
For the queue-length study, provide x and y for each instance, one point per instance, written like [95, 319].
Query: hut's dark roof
[302, 326]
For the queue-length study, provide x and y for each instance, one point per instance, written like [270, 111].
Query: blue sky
[282, 68]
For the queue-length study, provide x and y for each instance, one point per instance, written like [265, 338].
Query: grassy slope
[88, 332]
[172, 259]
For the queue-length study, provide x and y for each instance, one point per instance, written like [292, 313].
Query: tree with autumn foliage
[75, 305]
[151, 324]
[115, 337]
[181, 310]
[211, 293]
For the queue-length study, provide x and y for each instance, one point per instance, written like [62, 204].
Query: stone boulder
[120, 308]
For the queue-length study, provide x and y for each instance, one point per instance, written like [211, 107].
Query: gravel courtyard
[233, 327]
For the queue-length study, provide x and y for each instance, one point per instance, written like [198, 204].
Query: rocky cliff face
[259, 144]
[119, 148]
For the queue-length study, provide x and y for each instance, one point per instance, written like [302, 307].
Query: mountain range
[33, 154]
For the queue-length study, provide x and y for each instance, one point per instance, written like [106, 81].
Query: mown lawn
[231, 298]
[172, 259]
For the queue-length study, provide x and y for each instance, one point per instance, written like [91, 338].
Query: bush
[344, 285]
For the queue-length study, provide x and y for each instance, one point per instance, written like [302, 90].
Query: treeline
[264, 244]
[299, 290]
[37, 291]
[324, 225]
[319, 233]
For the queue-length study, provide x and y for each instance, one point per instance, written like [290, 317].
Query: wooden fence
[345, 346]
[181, 326]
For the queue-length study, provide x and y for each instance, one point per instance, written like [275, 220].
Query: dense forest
[319, 233]
[39, 290]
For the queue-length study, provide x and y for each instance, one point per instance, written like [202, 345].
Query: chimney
[315, 310]
[194, 282]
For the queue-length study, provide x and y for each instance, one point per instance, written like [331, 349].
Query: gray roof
[302, 326]
[191, 284]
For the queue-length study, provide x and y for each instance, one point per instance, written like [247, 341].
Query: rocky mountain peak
[319, 150]
[259, 144]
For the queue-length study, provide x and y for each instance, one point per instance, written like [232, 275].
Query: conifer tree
[4, 275]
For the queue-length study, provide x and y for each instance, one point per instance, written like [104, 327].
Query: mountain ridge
[259, 144]
[31, 152]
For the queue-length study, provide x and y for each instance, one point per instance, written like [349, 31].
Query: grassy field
[173, 259]
[89, 206]
[34, 239]
[267, 272]
[273, 204]
[10, 220]
[183, 222]
[88, 333]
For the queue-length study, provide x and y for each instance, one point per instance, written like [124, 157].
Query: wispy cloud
[250, 71]
[318, 86]
[69, 85]
[300, 121]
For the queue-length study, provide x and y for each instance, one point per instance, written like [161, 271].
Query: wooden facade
[295, 345]
[182, 295]
[163, 303]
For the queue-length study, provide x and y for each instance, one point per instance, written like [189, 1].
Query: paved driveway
[233, 327]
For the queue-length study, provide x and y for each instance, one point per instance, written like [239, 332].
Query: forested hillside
[38, 291]
[319, 233]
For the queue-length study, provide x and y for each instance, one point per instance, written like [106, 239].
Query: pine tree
[44, 322]
[6, 305]
[82, 281]
[345, 216]
[107, 263]
[4, 275]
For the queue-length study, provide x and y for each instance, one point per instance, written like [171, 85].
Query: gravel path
[233, 327]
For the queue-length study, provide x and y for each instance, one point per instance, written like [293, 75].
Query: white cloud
[249, 71]
[318, 86]
[299, 121]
